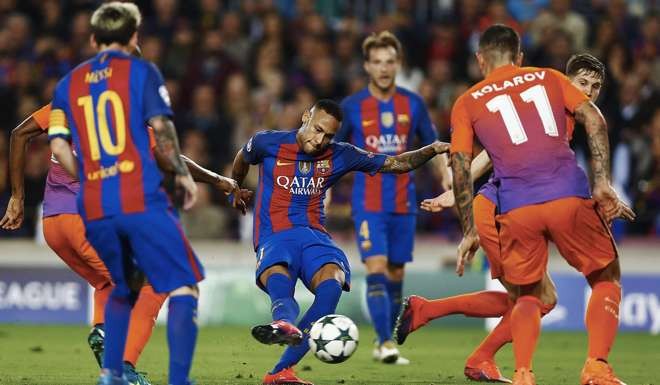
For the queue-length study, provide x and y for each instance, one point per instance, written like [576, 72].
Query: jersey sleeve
[254, 150]
[156, 98]
[58, 126]
[573, 97]
[462, 133]
[358, 159]
[344, 132]
[42, 117]
[426, 129]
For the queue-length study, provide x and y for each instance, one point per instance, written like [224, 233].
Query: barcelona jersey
[519, 116]
[292, 184]
[385, 127]
[103, 106]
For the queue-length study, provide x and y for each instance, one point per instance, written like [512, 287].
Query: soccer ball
[333, 338]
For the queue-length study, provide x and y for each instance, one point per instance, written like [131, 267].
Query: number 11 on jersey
[535, 94]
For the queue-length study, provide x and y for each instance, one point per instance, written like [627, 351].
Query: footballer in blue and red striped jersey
[385, 119]
[103, 107]
[295, 170]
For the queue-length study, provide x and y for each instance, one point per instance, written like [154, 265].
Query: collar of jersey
[502, 69]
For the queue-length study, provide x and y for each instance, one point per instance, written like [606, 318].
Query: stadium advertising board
[639, 309]
[43, 295]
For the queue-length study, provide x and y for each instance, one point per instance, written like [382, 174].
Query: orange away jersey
[519, 116]
[103, 105]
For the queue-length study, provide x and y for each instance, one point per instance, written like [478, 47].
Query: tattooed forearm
[589, 115]
[408, 161]
[168, 144]
[460, 166]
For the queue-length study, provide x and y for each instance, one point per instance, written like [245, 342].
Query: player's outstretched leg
[327, 294]
[602, 321]
[418, 311]
[143, 320]
[284, 308]
[182, 333]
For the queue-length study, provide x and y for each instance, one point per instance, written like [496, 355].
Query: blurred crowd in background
[234, 67]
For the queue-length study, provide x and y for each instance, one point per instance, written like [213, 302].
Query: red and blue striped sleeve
[156, 98]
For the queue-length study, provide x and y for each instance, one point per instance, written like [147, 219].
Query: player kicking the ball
[295, 170]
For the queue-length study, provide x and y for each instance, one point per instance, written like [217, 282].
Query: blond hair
[381, 40]
[115, 22]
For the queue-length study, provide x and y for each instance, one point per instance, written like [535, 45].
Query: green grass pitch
[49, 355]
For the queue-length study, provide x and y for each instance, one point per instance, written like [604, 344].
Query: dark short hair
[585, 62]
[331, 107]
[383, 39]
[115, 22]
[500, 38]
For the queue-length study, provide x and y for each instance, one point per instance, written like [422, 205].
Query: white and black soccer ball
[333, 338]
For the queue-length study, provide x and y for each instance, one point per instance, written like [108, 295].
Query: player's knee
[327, 272]
[275, 269]
[611, 272]
[376, 264]
[395, 272]
[186, 290]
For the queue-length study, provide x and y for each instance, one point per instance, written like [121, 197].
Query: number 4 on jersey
[535, 94]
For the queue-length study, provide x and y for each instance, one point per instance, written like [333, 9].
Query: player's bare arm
[168, 146]
[411, 160]
[463, 186]
[608, 201]
[239, 170]
[20, 137]
[228, 185]
[480, 165]
[62, 151]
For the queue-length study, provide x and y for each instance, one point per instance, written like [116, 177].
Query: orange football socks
[100, 299]
[143, 319]
[525, 329]
[478, 304]
[602, 318]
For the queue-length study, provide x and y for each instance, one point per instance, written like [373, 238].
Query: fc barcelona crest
[323, 166]
[387, 119]
[305, 167]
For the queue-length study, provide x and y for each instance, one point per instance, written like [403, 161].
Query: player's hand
[189, 188]
[443, 201]
[466, 250]
[609, 205]
[13, 218]
[441, 147]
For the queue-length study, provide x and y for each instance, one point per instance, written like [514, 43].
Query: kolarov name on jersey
[515, 81]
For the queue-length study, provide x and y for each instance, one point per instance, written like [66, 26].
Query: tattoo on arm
[597, 138]
[168, 144]
[240, 168]
[463, 189]
[408, 161]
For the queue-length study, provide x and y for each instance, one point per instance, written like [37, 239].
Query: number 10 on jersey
[110, 148]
